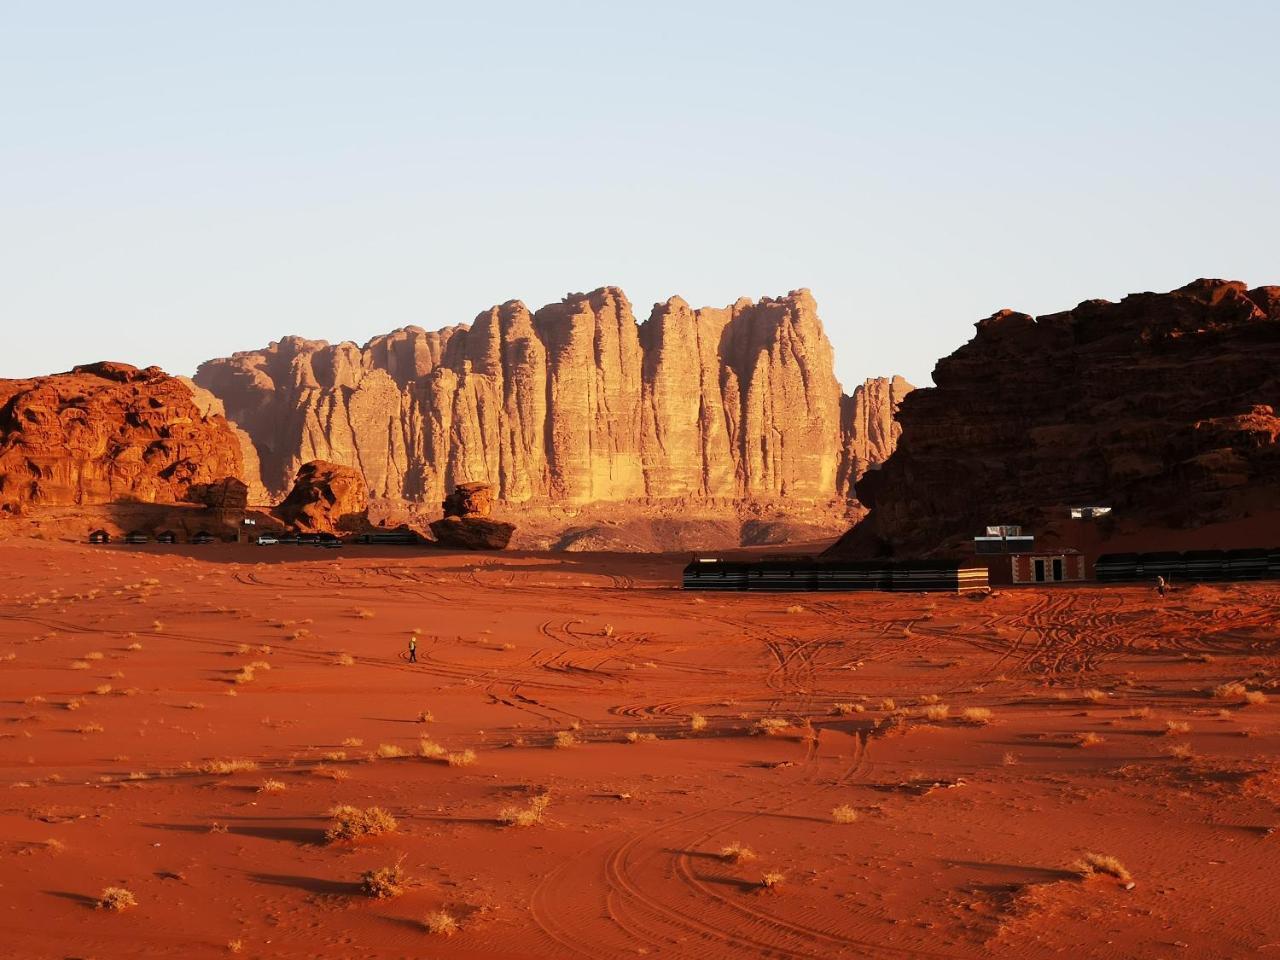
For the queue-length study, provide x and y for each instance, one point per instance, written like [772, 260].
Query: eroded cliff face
[575, 403]
[108, 433]
[1162, 406]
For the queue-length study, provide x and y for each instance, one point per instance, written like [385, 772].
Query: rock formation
[108, 433]
[326, 498]
[1162, 406]
[466, 524]
[576, 403]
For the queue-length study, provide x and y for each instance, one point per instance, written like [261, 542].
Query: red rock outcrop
[869, 428]
[1162, 406]
[108, 433]
[466, 524]
[326, 498]
[576, 403]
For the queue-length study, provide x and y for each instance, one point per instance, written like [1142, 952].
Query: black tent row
[141, 536]
[814, 573]
[1198, 565]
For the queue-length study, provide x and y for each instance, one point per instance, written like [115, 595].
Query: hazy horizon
[184, 183]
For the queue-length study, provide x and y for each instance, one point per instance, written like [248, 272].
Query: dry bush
[90, 728]
[1093, 695]
[157, 626]
[937, 712]
[79, 664]
[772, 880]
[526, 816]
[95, 655]
[844, 709]
[134, 646]
[329, 773]
[769, 726]
[244, 676]
[75, 703]
[844, 814]
[979, 716]
[344, 660]
[1181, 751]
[389, 751]
[116, 898]
[352, 823]
[228, 766]
[1139, 713]
[1230, 691]
[1255, 697]
[608, 630]
[430, 749]
[564, 738]
[259, 665]
[272, 786]
[102, 689]
[384, 882]
[235, 946]
[928, 698]
[440, 923]
[33, 700]
[1172, 727]
[1009, 759]
[353, 742]
[334, 756]
[888, 705]
[1094, 863]
[362, 613]
[697, 722]
[737, 853]
[460, 758]
[1088, 740]
[795, 608]
[635, 736]
[426, 716]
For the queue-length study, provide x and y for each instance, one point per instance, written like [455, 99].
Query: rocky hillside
[1162, 406]
[573, 403]
[108, 433]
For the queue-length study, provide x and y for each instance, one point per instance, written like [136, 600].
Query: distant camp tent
[203, 536]
[1195, 566]
[99, 536]
[137, 536]
[166, 536]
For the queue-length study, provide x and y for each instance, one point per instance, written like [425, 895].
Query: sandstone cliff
[326, 498]
[575, 403]
[1162, 406]
[108, 433]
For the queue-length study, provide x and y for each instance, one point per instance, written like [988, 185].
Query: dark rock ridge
[573, 403]
[109, 433]
[1162, 406]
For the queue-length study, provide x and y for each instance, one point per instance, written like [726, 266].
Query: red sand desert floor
[180, 722]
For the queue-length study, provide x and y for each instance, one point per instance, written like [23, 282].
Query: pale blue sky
[181, 180]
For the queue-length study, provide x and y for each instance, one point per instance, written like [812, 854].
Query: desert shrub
[344, 660]
[737, 852]
[361, 613]
[844, 814]
[95, 655]
[272, 786]
[564, 738]
[430, 749]
[1093, 695]
[460, 758]
[772, 880]
[117, 898]
[1181, 751]
[936, 712]
[384, 882]
[228, 766]
[353, 742]
[79, 664]
[888, 705]
[769, 726]
[525, 816]
[329, 773]
[352, 823]
[102, 689]
[389, 751]
[1088, 740]
[1095, 863]
[697, 722]
[90, 728]
[1173, 727]
[795, 608]
[440, 923]
[979, 716]
[635, 736]
[425, 716]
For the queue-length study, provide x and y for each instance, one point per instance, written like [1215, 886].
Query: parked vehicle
[267, 540]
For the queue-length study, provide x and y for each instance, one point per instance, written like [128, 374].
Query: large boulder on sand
[466, 524]
[326, 498]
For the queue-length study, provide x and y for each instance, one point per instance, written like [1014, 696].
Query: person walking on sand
[413, 648]
[1161, 586]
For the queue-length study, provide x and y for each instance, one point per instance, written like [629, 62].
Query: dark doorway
[1039, 571]
[1057, 568]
